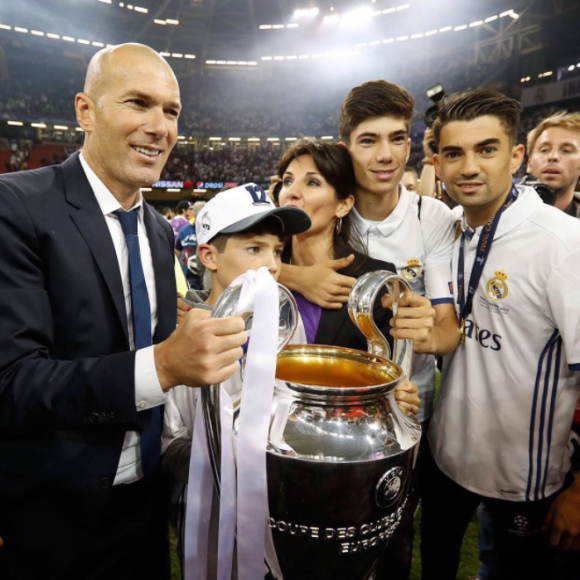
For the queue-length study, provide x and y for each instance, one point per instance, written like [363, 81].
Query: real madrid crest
[497, 288]
[412, 270]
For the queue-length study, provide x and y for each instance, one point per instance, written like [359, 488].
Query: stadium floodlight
[491, 18]
[177, 55]
[235, 139]
[459, 28]
[146, 189]
[106, 1]
[55, 36]
[331, 19]
[293, 57]
[304, 57]
[279, 58]
[16, 123]
[165, 54]
[293, 25]
[215, 138]
[265, 26]
[273, 139]
[220, 62]
[83, 41]
[357, 16]
[266, 58]
[159, 21]
[141, 9]
[254, 139]
[415, 36]
[571, 67]
[79, 129]
[23, 30]
[210, 62]
[278, 26]
[476, 23]
[181, 137]
[514, 15]
[37, 33]
[5, 27]
[232, 62]
[402, 38]
[172, 21]
[446, 29]
[291, 139]
[98, 44]
[173, 190]
[200, 191]
[189, 56]
[388, 40]
[305, 13]
[431, 33]
[68, 38]
[505, 13]
[252, 63]
[242, 62]
[61, 127]
[38, 125]
[327, 137]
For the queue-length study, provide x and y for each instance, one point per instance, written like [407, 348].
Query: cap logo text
[259, 196]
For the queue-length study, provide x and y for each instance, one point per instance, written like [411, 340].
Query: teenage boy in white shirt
[501, 425]
[414, 233]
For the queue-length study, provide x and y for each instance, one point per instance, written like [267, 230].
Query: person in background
[181, 219]
[186, 246]
[167, 213]
[554, 157]
[410, 179]
[428, 179]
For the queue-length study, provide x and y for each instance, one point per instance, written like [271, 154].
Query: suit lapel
[90, 221]
[163, 266]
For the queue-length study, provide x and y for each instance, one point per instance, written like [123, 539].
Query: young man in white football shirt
[502, 420]
[416, 234]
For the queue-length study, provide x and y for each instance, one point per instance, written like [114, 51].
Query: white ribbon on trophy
[243, 501]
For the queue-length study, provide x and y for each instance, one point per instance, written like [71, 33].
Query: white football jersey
[420, 247]
[508, 395]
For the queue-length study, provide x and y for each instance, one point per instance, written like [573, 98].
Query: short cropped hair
[563, 119]
[410, 169]
[472, 104]
[374, 99]
[270, 225]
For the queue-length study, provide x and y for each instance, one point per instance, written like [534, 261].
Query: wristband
[427, 161]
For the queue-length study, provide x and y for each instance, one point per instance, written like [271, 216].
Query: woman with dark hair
[318, 178]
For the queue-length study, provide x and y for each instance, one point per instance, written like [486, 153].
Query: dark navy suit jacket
[67, 393]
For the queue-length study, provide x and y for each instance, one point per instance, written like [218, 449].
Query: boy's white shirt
[181, 402]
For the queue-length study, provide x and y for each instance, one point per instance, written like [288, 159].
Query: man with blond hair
[554, 157]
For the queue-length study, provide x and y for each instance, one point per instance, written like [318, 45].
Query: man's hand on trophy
[407, 397]
[201, 351]
[414, 320]
[562, 522]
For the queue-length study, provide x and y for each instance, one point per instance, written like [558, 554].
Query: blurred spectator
[181, 220]
[410, 179]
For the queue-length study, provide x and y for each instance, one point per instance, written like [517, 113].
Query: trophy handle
[360, 308]
[210, 396]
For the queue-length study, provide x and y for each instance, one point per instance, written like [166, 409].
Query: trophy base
[333, 520]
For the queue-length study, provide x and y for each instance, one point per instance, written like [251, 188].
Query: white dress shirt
[148, 392]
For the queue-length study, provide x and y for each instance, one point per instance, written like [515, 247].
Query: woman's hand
[407, 397]
[182, 308]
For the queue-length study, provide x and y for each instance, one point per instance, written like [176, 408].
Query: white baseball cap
[235, 210]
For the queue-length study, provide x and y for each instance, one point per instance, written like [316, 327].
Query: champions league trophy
[340, 451]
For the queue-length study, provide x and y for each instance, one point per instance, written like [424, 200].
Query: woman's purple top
[310, 314]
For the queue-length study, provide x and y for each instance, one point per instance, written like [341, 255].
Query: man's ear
[208, 256]
[437, 165]
[518, 152]
[85, 109]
